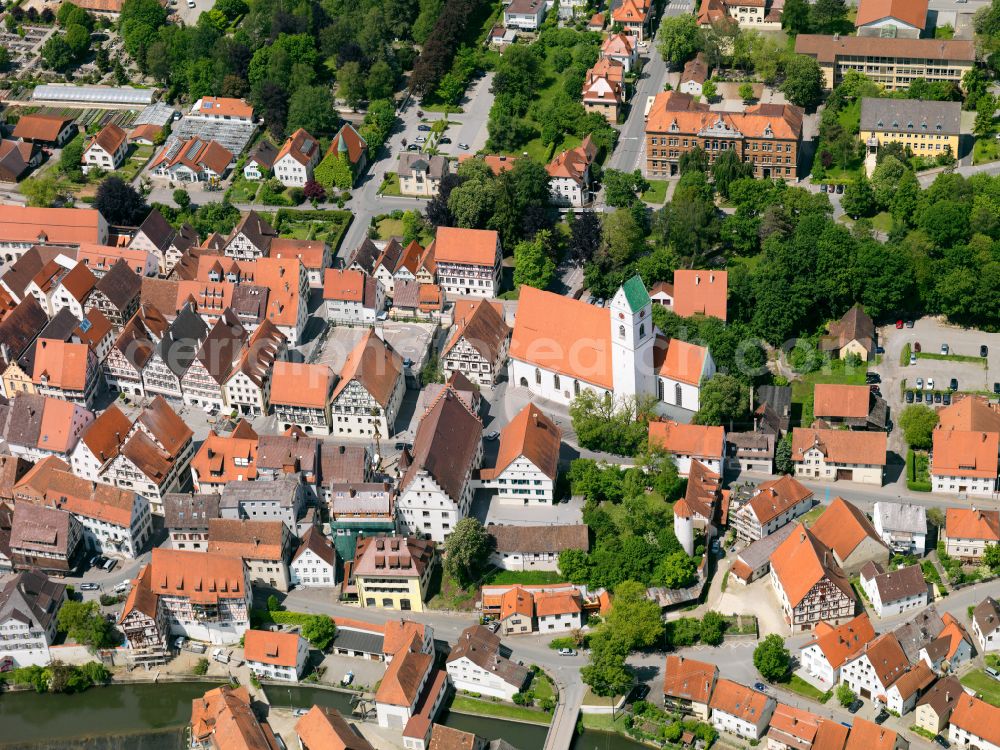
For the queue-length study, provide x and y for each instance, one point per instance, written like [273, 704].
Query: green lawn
[952, 358]
[542, 687]
[525, 578]
[918, 475]
[465, 704]
[604, 723]
[985, 149]
[243, 190]
[987, 688]
[657, 192]
[390, 185]
[810, 518]
[387, 228]
[882, 221]
[800, 686]
[324, 225]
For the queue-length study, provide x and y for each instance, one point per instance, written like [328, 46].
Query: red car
[899, 324]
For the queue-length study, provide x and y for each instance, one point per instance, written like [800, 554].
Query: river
[153, 717]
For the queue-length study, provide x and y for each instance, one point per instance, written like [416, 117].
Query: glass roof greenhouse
[93, 95]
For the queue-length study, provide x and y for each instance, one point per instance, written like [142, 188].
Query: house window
[621, 332]
[538, 376]
[555, 382]
[642, 330]
[678, 394]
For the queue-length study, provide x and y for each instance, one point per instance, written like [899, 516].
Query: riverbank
[465, 705]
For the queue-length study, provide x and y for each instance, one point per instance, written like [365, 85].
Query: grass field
[390, 185]
[327, 226]
[952, 358]
[810, 518]
[882, 221]
[984, 685]
[800, 686]
[657, 192]
[387, 228]
[985, 149]
[465, 704]
[525, 578]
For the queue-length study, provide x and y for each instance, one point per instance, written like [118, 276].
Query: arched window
[576, 387]
[659, 389]
[642, 330]
[621, 332]
[538, 376]
[678, 394]
[555, 381]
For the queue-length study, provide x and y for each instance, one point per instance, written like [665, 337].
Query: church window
[621, 332]
[538, 376]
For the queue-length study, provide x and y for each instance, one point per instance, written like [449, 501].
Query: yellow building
[393, 572]
[16, 380]
[935, 706]
[926, 128]
[891, 63]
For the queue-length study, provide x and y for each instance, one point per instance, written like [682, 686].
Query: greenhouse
[93, 95]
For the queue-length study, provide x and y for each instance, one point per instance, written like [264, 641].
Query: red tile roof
[699, 441]
[267, 647]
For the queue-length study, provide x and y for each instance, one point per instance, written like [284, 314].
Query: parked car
[420, 139]
[347, 679]
[413, 147]
[424, 128]
[984, 351]
[920, 382]
[760, 687]
[909, 397]
[855, 706]
[882, 716]
[463, 146]
[399, 446]
[872, 377]
[918, 396]
[946, 399]
[899, 323]
[109, 565]
[567, 652]
[824, 187]
[938, 738]
[992, 673]
[179, 643]
[444, 140]
[880, 350]
[492, 435]
[930, 384]
[875, 389]
[944, 348]
[840, 188]
[98, 561]
[909, 323]
[89, 587]
[300, 711]
[953, 385]
[937, 397]
[996, 388]
[122, 587]
[191, 3]
[913, 358]
[220, 656]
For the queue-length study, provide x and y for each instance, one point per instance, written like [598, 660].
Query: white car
[930, 384]
[567, 652]
[920, 382]
[347, 679]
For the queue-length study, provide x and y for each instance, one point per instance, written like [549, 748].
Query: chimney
[342, 450]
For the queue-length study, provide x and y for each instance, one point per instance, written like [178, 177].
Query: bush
[201, 668]
[845, 696]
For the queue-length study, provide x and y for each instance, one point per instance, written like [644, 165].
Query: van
[992, 673]
[122, 587]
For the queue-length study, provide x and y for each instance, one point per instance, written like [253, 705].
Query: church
[561, 346]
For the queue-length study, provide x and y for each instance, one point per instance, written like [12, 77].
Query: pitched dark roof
[121, 285]
[315, 540]
[294, 450]
[364, 255]
[180, 346]
[531, 539]
[157, 229]
[19, 329]
[222, 348]
[31, 597]
[446, 442]
[483, 649]
[190, 511]
[19, 275]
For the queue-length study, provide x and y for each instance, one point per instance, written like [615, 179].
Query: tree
[533, 265]
[677, 570]
[381, 81]
[607, 424]
[713, 628]
[845, 696]
[351, 84]
[783, 463]
[467, 550]
[311, 108]
[991, 557]
[885, 179]
[727, 168]
[201, 668]
[746, 92]
[606, 674]
[622, 188]
[56, 52]
[634, 620]
[319, 630]
[78, 40]
[450, 89]
[795, 16]
[119, 202]
[273, 605]
[84, 623]
[722, 402]
[42, 191]
[986, 107]
[71, 158]
[803, 82]
[679, 39]
[772, 659]
[859, 198]
[695, 160]
[826, 15]
[182, 199]
[584, 235]
[918, 422]
[709, 90]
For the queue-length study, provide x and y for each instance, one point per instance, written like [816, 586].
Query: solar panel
[85, 325]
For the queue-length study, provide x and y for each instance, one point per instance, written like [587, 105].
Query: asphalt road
[628, 153]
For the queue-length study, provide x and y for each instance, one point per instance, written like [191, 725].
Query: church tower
[632, 340]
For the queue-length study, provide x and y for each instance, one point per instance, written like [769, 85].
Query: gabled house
[775, 503]
[300, 396]
[194, 160]
[569, 175]
[468, 261]
[688, 442]
[46, 539]
[479, 663]
[740, 710]
[477, 347]
[275, 656]
[891, 18]
[688, 685]
[203, 382]
[323, 728]
[792, 728]
[896, 591]
[314, 563]
[694, 75]
[522, 548]
[281, 500]
[66, 370]
[680, 374]
[867, 735]
[968, 531]
[225, 458]
[45, 128]
[527, 463]
[368, 395]
[186, 516]
[420, 175]
[348, 144]
[934, 708]
[299, 155]
[16, 158]
[29, 611]
[951, 647]
[352, 297]
[974, 723]
[965, 462]
[835, 455]
[157, 236]
[854, 334]
[634, 17]
[393, 572]
[875, 668]
[106, 150]
[903, 527]
[39, 426]
[173, 354]
[264, 546]
[261, 161]
[436, 491]
[604, 89]
[526, 15]
[247, 390]
[846, 530]
[621, 48]
[986, 625]
[823, 657]
[116, 294]
[852, 406]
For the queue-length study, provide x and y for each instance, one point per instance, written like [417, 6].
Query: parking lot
[467, 127]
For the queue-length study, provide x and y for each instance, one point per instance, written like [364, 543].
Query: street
[628, 152]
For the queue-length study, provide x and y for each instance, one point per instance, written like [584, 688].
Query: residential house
[222, 459]
[766, 136]
[157, 236]
[891, 19]
[853, 406]
[968, 531]
[18, 331]
[16, 158]
[522, 548]
[986, 625]
[420, 175]
[894, 592]
[292, 454]
[224, 717]
[974, 723]
[526, 15]
[927, 129]
[558, 611]
[393, 572]
[314, 562]
[275, 656]
[831, 647]
[352, 297]
[950, 648]
[754, 560]
[970, 414]
[247, 390]
[634, 17]
[740, 710]
[194, 160]
[45, 129]
[367, 397]
[604, 89]
[39, 426]
[774, 504]
[294, 164]
[695, 74]
[200, 595]
[683, 369]
[349, 144]
[792, 728]
[323, 728]
[29, 611]
[172, 356]
[358, 510]
[477, 347]
[279, 500]
[875, 668]
[899, 61]
[902, 526]
[689, 442]
[468, 260]
[569, 175]
[846, 530]
[810, 585]
[401, 693]
[866, 735]
[436, 491]
[221, 108]
[116, 294]
[203, 382]
[57, 286]
[479, 663]
[688, 685]
[527, 463]
[747, 14]
[48, 539]
[623, 49]
[935, 706]
[300, 396]
[261, 162]
[26, 227]
[414, 300]
[186, 516]
[700, 506]
[106, 150]
[66, 370]
[100, 259]
[965, 462]
[835, 455]
[751, 451]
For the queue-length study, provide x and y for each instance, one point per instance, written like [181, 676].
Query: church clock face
[621, 316]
